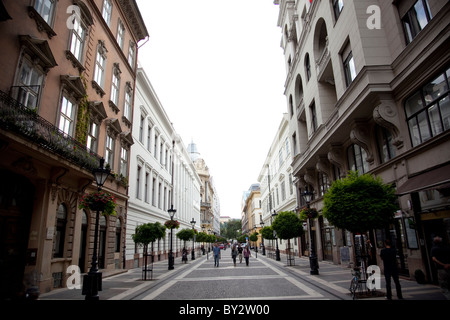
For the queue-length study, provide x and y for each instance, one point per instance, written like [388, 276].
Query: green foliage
[185, 234]
[148, 232]
[253, 236]
[230, 229]
[82, 126]
[360, 203]
[267, 233]
[242, 238]
[287, 225]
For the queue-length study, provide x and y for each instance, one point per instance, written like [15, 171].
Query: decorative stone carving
[386, 116]
[336, 156]
[361, 136]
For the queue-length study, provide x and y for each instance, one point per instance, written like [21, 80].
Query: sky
[218, 69]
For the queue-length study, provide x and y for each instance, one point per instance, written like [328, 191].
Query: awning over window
[434, 179]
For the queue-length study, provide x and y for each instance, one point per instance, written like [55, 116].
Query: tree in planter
[145, 234]
[253, 237]
[185, 235]
[288, 225]
[360, 203]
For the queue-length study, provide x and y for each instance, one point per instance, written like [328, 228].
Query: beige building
[367, 89]
[66, 100]
[251, 211]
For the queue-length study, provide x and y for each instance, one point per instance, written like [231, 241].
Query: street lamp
[193, 240]
[172, 212]
[256, 244]
[92, 281]
[262, 239]
[313, 263]
[277, 251]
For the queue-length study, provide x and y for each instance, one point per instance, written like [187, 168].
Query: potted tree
[287, 226]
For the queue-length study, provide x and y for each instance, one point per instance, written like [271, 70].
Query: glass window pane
[413, 104]
[435, 119]
[444, 106]
[435, 89]
[420, 14]
[414, 132]
[423, 126]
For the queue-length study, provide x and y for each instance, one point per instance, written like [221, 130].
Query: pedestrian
[216, 251]
[234, 253]
[240, 253]
[440, 255]
[247, 254]
[388, 255]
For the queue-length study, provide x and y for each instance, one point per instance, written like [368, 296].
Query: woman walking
[240, 253]
[247, 254]
[234, 253]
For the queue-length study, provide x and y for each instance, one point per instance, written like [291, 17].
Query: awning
[434, 179]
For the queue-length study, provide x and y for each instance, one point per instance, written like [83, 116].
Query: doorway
[16, 205]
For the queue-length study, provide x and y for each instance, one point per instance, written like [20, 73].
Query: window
[416, 19]
[138, 182]
[338, 5]
[312, 110]
[120, 34]
[128, 103]
[356, 159]
[153, 192]
[100, 63]
[77, 38]
[29, 85]
[283, 191]
[67, 115]
[428, 110]
[147, 175]
[92, 139]
[307, 67]
[280, 157]
[149, 138]
[349, 64]
[141, 129]
[109, 153]
[60, 234]
[384, 143]
[107, 11]
[324, 183]
[294, 143]
[115, 85]
[45, 8]
[123, 162]
[132, 54]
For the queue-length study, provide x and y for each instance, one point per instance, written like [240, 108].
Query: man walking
[441, 257]
[388, 254]
[216, 251]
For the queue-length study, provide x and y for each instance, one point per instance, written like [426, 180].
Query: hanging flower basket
[308, 213]
[99, 201]
[172, 224]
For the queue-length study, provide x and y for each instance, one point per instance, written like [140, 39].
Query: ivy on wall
[82, 127]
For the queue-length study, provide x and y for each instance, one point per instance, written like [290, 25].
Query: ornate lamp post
[262, 240]
[313, 263]
[193, 240]
[277, 251]
[172, 212]
[92, 281]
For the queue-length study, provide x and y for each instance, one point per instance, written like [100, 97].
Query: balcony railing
[17, 118]
[205, 204]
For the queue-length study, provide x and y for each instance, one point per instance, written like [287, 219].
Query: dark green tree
[360, 203]
[185, 235]
[287, 225]
[148, 233]
[267, 233]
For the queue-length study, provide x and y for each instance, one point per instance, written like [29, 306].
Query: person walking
[216, 251]
[441, 257]
[234, 253]
[388, 255]
[240, 252]
[247, 254]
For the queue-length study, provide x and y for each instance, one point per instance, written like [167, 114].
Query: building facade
[161, 175]
[367, 89]
[277, 187]
[68, 77]
[252, 213]
[209, 203]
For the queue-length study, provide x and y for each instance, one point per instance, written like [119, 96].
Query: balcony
[15, 117]
[205, 204]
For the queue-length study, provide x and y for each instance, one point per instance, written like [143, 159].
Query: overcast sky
[218, 70]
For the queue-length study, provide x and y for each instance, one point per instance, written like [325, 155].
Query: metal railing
[17, 118]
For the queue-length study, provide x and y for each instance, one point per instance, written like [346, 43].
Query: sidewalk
[123, 284]
[336, 278]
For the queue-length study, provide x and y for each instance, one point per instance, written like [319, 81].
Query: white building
[158, 152]
[277, 189]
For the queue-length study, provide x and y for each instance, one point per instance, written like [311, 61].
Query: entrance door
[16, 205]
[327, 245]
[84, 230]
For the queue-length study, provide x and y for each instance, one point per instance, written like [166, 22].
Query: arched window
[60, 234]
